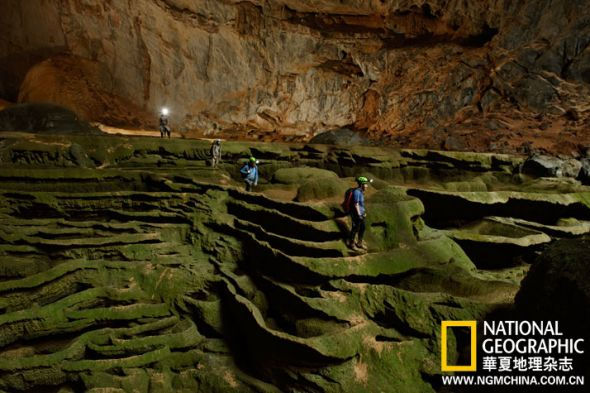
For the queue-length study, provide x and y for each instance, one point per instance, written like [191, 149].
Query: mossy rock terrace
[128, 265]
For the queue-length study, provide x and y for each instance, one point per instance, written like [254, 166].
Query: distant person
[215, 152]
[354, 205]
[250, 173]
[164, 128]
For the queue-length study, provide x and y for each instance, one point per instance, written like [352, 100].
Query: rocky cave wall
[480, 75]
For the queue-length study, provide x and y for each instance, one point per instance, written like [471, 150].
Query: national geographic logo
[513, 353]
[513, 346]
[444, 365]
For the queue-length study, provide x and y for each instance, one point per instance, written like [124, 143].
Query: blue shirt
[358, 197]
[250, 173]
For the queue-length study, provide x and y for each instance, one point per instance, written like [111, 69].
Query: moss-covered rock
[150, 271]
[321, 188]
[301, 175]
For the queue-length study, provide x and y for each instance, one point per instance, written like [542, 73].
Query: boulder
[542, 166]
[571, 168]
[548, 166]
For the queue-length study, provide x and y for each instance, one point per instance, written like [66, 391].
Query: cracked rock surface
[493, 75]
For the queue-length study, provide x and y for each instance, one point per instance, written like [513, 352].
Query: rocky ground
[127, 264]
[496, 75]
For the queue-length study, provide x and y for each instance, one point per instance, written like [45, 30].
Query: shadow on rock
[46, 118]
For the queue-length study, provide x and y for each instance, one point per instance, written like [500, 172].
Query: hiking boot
[361, 246]
[350, 244]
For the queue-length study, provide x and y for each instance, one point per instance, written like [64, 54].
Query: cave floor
[127, 263]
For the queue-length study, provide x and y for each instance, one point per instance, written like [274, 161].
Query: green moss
[391, 216]
[153, 272]
[434, 253]
[466, 186]
[321, 188]
[300, 175]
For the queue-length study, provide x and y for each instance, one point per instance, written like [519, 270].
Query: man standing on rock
[164, 128]
[358, 214]
[215, 153]
[250, 173]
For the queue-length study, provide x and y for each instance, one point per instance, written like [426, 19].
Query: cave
[183, 186]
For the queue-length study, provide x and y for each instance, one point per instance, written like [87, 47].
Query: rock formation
[481, 75]
[39, 117]
[127, 264]
[558, 278]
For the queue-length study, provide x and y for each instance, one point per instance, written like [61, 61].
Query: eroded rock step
[169, 275]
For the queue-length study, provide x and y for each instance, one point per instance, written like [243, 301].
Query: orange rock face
[491, 75]
[84, 86]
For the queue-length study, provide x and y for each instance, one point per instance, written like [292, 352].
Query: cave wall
[392, 67]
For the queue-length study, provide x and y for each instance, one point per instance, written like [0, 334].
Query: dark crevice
[341, 67]
[479, 40]
[266, 261]
[427, 11]
[383, 279]
[328, 24]
[308, 292]
[385, 339]
[114, 243]
[445, 210]
[281, 225]
[288, 246]
[485, 255]
[299, 211]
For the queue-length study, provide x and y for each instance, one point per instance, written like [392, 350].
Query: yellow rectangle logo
[472, 366]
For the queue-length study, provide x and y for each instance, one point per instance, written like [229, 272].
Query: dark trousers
[358, 227]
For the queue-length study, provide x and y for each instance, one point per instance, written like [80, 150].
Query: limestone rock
[559, 277]
[485, 239]
[543, 166]
[300, 175]
[585, 171]
[571, 168]
[83, 86]
[321, 188]
[149, 271]
[44, 118]
[551, 167]
[341, 137]
[401, 71]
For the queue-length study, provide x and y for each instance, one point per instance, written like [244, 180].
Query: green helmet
[363, 180]
[253, 160]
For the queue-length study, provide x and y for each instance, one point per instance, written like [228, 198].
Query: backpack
[347, 203]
